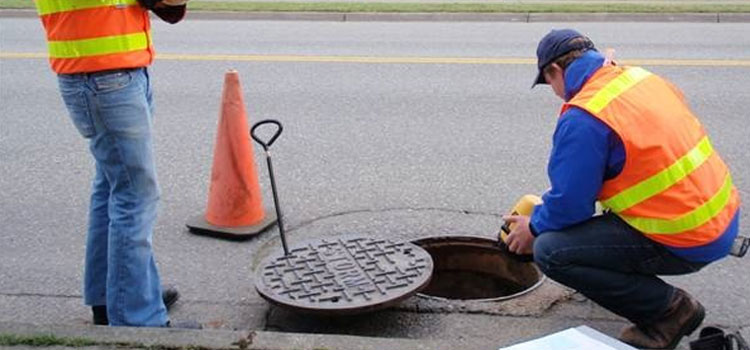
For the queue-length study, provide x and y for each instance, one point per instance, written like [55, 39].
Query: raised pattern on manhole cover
[344, 275]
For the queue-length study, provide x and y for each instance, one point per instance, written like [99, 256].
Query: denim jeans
[612, 264]
[113, 110]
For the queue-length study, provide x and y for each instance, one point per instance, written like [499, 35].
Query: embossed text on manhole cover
[344, 275]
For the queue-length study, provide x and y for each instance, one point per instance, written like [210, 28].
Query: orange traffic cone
[235, 207]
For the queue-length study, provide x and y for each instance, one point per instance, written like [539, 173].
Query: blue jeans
[612, 264]
[113, 110]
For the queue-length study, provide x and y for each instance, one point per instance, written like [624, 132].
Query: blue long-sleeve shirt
[585, 153]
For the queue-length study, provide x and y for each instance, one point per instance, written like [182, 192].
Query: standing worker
[100, 50]
[626, 137]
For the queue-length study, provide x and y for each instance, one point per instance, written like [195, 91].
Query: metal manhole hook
[270, 142]
[265, 146]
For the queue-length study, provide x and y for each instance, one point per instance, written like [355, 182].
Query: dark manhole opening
[475, 268]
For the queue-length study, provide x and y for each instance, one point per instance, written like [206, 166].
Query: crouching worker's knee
[545, 248]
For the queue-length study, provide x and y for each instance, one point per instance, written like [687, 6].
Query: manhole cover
[344, 275]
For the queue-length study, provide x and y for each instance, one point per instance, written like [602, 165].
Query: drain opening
[475, 268]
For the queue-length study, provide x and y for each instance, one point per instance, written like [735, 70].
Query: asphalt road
[400, 149]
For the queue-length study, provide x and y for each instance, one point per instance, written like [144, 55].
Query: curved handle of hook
[273, 138]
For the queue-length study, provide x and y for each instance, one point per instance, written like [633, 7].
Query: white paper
[569, 339]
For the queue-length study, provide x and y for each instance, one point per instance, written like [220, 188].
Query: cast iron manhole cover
[344, 275]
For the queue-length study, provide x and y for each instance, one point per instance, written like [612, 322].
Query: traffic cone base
[198, 225]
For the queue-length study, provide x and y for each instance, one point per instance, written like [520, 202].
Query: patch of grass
[16, 4]
[43, 340]
[406, 7]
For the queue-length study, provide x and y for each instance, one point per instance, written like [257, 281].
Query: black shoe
[184, 324]
[169, 296]
[714, 338]
[710, 338]
[100, 315]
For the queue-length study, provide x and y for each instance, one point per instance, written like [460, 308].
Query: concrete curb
[624, 17]
[446, 17]
[734, 17]
[138, 338]
[212, 339]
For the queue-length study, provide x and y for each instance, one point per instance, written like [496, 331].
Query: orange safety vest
[96, 35]
[673, 187]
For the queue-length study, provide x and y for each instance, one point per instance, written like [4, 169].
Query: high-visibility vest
[96, 35]
[673, 187]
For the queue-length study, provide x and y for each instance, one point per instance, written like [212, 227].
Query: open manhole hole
[476, 268]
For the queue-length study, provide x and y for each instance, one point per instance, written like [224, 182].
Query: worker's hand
[170, 11]
[160, 4]
[520, 240]
[149, 4]
[174, 2]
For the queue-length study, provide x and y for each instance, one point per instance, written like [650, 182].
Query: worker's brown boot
[684, 314]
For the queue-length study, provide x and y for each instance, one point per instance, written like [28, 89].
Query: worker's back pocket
[112, 81]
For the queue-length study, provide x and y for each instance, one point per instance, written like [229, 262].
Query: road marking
[351, 59]
[403, 60]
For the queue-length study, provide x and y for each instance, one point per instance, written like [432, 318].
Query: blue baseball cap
[555, 44]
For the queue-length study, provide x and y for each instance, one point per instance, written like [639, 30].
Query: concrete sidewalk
[524, 17]
[78, 337]
[446, 16]
[102, 337]
[155, 338]
[477, 17]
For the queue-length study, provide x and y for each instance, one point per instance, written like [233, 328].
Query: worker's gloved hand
[174, 2]
[171, 11]
[149, 4]
[157, 4]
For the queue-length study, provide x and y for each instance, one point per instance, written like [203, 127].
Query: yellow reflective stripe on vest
[46, 7]
[99, 46]
[663, 179]
[615, 87]
[689, 221]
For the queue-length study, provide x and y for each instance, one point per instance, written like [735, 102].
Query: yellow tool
[524, 206]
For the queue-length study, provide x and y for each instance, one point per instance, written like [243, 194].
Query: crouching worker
[626, 137]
